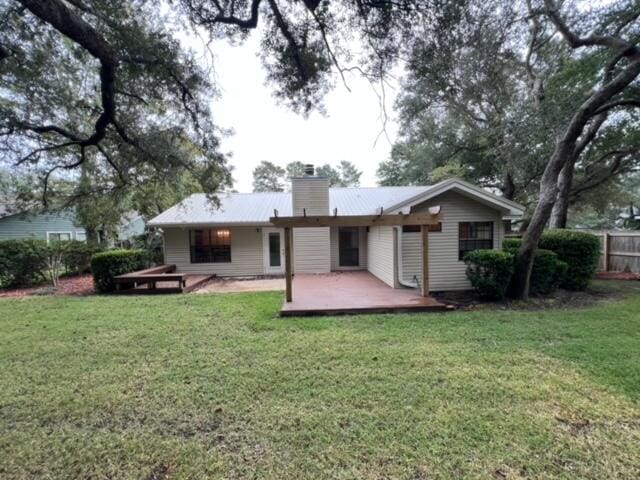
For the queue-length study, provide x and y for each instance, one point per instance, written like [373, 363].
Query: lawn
[217, 386]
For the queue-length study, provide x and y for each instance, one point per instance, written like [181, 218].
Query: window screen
[474, 236]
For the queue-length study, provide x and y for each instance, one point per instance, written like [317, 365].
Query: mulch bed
[618, 276]
[467, 300]
[78, 286]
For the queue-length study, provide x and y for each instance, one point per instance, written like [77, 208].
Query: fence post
[605, 247]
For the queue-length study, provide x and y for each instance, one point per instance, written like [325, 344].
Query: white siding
[381, 254]
[246, 253]
[446, 272]
[311, 246]
[335, 252]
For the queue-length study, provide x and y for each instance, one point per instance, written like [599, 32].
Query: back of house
[238, 239]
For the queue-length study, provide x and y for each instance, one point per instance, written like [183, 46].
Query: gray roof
[257, 208]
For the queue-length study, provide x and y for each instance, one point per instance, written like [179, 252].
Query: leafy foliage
[267, 177]
[579, 250]
[345, 175]
[123, 95]
[77, 256]
[548, 271]
[23, 262]
[105, 266]
[489, 272]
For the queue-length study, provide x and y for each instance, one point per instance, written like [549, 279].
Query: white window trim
[59, 233]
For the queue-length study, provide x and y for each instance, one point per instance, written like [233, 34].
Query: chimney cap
[309, 169]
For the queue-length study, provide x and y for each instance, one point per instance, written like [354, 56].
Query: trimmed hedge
[108, 265]
[548, 270]
[23, 262]
[77, 256]
[490, 272]
[579, 250]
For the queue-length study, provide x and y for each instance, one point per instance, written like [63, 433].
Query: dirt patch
[221, 285]
[77, 286]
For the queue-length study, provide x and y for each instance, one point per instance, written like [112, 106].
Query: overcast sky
[265, 130]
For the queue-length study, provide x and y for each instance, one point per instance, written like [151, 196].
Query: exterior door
[349, 246]
[273, 245]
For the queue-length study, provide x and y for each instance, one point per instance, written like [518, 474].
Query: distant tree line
[269, 177]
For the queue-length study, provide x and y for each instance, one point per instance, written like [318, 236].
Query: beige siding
[311, 250]
[246, 253]
[446, 272]
[381, 254]
[335, 253]
[311, 246]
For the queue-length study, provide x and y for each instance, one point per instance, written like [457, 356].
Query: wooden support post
[287, 263]
[605, 247]
[424, 233]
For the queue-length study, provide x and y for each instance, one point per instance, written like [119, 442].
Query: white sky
[265, 130]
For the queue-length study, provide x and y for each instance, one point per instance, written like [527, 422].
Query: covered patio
[357, 291]
[353, 292]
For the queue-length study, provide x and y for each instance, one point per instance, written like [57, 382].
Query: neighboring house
[43, 226]
[237, 239]
[60, 226]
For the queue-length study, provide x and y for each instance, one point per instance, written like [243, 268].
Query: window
[81, 236]
[210, 246]
[416, 228]
[58, 236]
[474, 236]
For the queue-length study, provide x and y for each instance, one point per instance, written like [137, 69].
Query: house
[44, 226]
[54, 226]
[239, 239]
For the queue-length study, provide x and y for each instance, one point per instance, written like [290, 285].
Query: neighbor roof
[257, 208]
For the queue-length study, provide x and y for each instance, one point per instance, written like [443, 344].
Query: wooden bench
[150, 276]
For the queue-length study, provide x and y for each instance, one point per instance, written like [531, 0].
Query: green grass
[217, 386]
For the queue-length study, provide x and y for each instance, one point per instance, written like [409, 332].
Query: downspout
[401, 279]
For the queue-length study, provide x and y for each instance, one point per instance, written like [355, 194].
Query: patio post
[287, 262]
[424, 234]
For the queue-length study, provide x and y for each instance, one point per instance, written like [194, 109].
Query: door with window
[349, 246]
[273, 246]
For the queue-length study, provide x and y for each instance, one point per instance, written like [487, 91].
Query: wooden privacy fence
[619, 250]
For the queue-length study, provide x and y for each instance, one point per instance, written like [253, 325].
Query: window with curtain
[210, 245]
[474, 236]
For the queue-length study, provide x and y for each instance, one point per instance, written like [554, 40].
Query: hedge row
[565, 258]
[108, 265]
[580, 252]
[25, 262]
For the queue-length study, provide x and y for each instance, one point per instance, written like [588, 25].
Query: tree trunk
[561, 207]
[508, 187]
[566, 150]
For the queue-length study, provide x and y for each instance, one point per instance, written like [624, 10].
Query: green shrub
[547, 272]
[77, 256]
[511, 245]
[490, 272]
[105, 266]
[23, 262]
[579, 250]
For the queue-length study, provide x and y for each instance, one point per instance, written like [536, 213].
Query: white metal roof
[257, 208]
